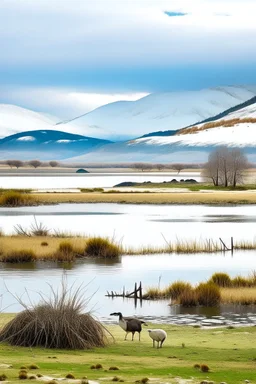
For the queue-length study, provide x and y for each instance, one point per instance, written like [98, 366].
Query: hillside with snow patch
[160, 111]
[235, 129]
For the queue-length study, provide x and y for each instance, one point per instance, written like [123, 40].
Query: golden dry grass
[16, 243]
[216, 124]
[214, 197]
[238, 295]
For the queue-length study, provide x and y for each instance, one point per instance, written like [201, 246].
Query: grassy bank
[229, 354]
[219, 289]
[60, 246]
[216, 197]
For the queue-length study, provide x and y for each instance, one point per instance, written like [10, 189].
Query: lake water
[101, 276]
[139, 225]
[134, 225]
[89, 180]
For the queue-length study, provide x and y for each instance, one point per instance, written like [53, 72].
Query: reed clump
[18, 256]
[16, 199]
[57, 322]
[176, 289]
[102, 248]
[221, 279]
[65, 252]
[208, 294]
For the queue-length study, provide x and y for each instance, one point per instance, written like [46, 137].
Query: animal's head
[116, 314]
[149, 330]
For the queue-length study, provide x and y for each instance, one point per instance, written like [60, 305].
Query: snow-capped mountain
[47, 145]
[160, 111]
[235, 128]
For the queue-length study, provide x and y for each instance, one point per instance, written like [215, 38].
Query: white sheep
[158, 335]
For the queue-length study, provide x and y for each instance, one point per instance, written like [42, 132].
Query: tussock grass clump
[240, 281]
[65, 252]
[221, 279]
[21, 256]
[196, 366]
[3, 377]
[113, 369]
[33, 366]
[204, 368]
[98, 366]
[32, 377]
[101, 247]
[58, 322]
[208, 294]
[44, 244]
[188, 298]
[243, 295]
[23, 367]
[177, 288]
[23, 376]
[16, 199]
[70, 376]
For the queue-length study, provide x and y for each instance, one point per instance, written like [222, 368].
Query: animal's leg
[157, 344]
[132, 335]
[153, 343]
[162, 343]
[139, 336]
[126, 336]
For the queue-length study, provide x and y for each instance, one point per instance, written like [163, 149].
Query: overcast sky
[66, 57]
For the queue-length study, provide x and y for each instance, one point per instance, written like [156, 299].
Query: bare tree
[159, 166]
[178, 167]
[238, 163]
[225, 166]
[35, 163]
[15, 163]
[53, 163]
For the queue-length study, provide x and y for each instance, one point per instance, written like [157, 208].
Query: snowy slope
[161, 111]
[14, 119]
[190, 147]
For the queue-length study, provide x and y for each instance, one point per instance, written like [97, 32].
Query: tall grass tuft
[208, 294]
[22, 256]
[16, 199]
[176, 289]
[188, 298]
[65, 252]
[57, 322]
[240, 281]
[101, 247]
[221, 279]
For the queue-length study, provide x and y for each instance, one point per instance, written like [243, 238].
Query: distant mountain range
[195, 123]
[126, 120]
[235, 127]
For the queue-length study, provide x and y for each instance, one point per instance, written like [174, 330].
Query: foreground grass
[229, 353]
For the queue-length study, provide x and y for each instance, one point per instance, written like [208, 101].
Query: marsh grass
[19, 256]
[221, 279]
[102, 248]
[243, 296]
[16, 199]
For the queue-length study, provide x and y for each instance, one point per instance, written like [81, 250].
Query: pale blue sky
[67, 57]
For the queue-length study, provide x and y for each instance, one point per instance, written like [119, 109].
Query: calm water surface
[140, 225]
[100, 277]
[90, 180]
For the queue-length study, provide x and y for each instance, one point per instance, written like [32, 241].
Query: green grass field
[229, 353]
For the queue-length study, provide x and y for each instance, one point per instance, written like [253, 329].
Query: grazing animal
[129, 324]
[158, 335]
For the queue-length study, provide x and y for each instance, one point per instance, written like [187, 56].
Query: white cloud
[94, 32]
[63, 103]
